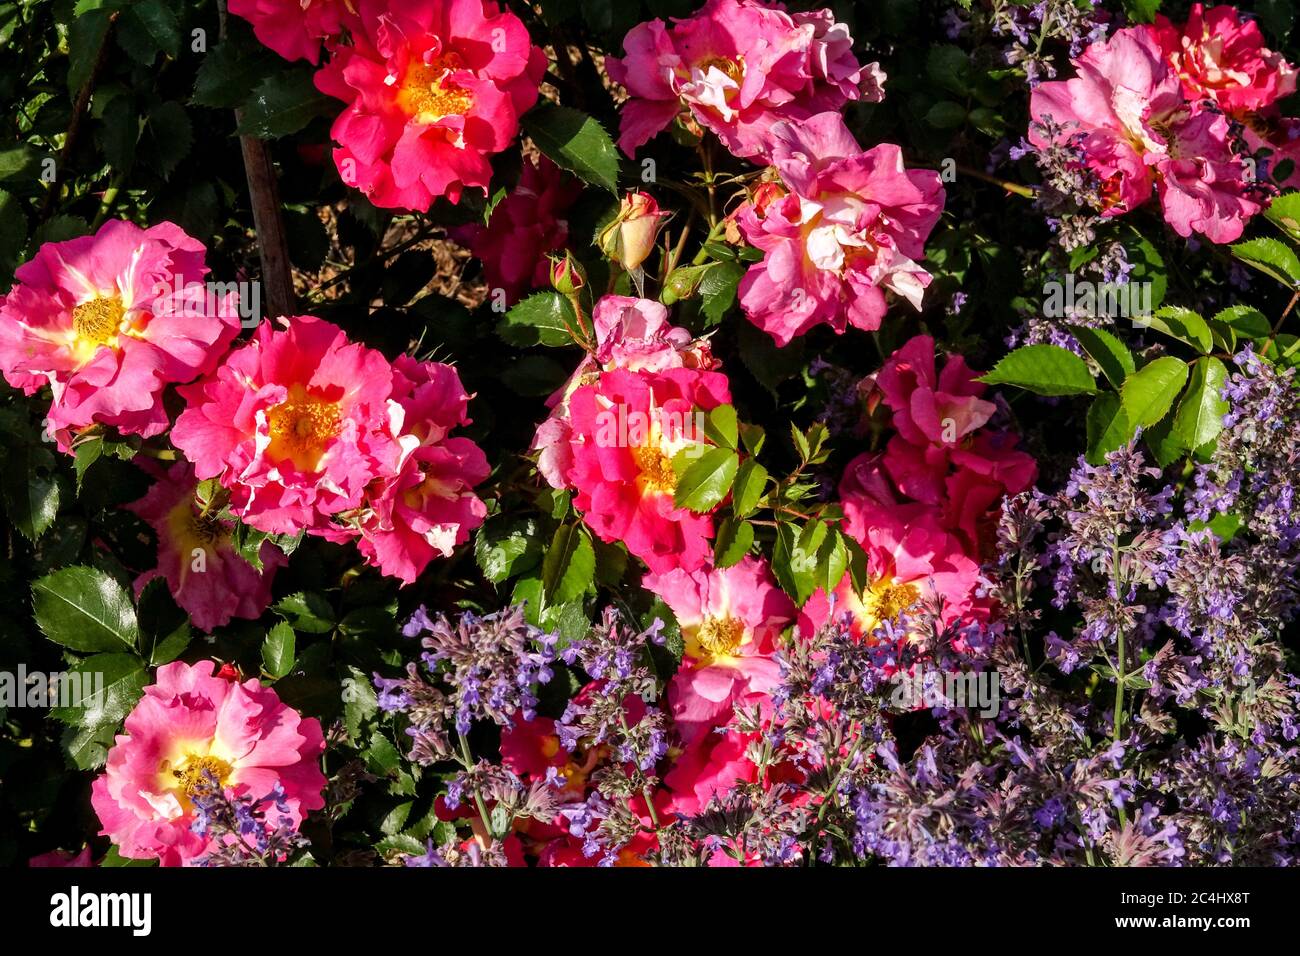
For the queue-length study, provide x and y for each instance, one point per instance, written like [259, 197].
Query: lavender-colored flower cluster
[477, 668]
[245, 831]
[1031, 28]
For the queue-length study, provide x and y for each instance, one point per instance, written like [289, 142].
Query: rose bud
[567, 275]
[630, 237]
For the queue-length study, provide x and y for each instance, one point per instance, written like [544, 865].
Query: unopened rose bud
[567, 275]
[682, 283]
[630, 237]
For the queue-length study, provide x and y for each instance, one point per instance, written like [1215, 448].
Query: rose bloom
[711, 765]
[208, 579]
[433, 88]
[911, 558]
[632, 334]
[851, 225]
[428, 507]
[294, 28]
[1221, 57]
[108, 322]
[731, 621]
[295, 424]
[737, 66]
[190, 724]
[625, 428]
[940, 420]
[1127, 113]
[524, 228]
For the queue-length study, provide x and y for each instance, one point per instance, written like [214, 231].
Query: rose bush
[656, 433]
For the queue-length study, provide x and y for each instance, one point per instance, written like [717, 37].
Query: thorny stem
[1277, 326]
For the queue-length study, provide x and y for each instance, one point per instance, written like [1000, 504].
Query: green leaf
[120, 132]
[720, 426]
[948, 66]
[114, 857]
[1245, 320]
[751, 482]
[570, 565]
[164, 627]
[1147, 265]
[1108, 427]
[87, 747]
[147, 27]
[718, 290]
[735, 538]
[107, 687]
[539, 319]
[86, 34]
[703, 480]
[795, 563]
[1150, 391]
[1182, 324]
[1271, 257]
[503, 551]
[166, 139]
[284, 103]
[575, 142]
[859, 575]
[308, 612]
[278, 650]
[360, 703]
[85, 609]
[1284, 212]
[946, 115]
[568, 620]
[1199, 418]
[832, 562]
[31, 491]
[1165, 447]
[1142, 11]
[1044, 370]
[231, 70]
[1107, 351]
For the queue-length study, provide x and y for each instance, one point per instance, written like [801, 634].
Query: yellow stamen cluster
[300, 426]
[193, 775]
[98, 320]
[428, 95]
[732, 68]
[885, 601]
[719, 637]
[656, 468]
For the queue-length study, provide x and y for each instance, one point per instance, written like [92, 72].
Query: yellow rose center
[194, 775]
[718, 637]
[300, 426]
[99, 320]
[885, 601]
[428, 95]
[656, 468]
[732, 68]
